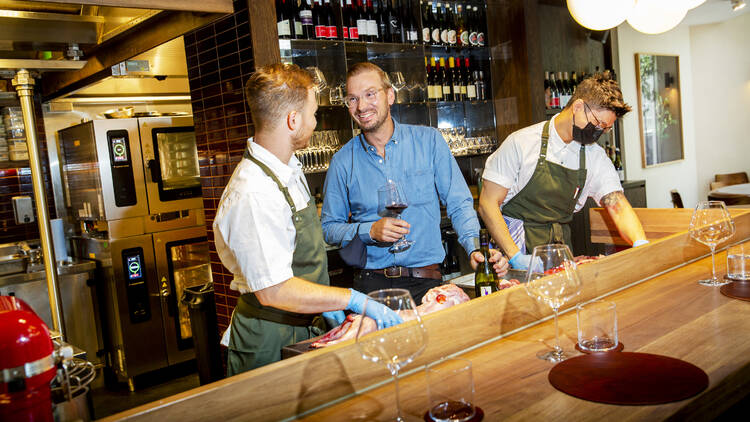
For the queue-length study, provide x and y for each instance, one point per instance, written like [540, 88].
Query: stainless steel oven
[134, 186]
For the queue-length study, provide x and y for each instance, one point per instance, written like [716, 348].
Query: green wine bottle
[485, 279]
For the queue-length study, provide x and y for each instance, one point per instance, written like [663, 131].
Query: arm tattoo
[611, 199]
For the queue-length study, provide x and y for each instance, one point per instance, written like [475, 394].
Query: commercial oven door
[170, 155]
[132, 303]
[183, 261]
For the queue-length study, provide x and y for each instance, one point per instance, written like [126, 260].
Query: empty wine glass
[391, 203]
[553, 279]
[711, 224]
[397, 80]
[397, 346]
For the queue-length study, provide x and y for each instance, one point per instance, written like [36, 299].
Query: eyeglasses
[598, 123]
[370, 97]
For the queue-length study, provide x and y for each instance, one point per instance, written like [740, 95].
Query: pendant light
[692, 4]
[600, 15]
[657, 16]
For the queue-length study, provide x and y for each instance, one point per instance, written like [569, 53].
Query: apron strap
[270, 174]
[581, 171]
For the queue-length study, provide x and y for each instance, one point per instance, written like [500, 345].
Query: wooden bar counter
[661, 309]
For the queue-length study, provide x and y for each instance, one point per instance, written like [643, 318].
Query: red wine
[396, 209]
[452, 411]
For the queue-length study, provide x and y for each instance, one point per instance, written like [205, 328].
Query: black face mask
[588, 135]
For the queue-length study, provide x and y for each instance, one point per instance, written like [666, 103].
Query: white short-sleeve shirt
[253, 228]
[514, 162]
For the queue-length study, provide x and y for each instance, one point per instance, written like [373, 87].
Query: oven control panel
[135, 283]
[121, 164]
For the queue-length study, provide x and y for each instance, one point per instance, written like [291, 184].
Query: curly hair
[601, 91]
[275, 90]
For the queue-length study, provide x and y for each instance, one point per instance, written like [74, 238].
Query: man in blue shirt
[418, 158]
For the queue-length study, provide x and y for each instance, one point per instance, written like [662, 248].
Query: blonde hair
[363, 67]
[275, 90]
[602, 92]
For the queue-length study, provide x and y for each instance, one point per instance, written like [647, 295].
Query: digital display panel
[119, 150]
[133, 264]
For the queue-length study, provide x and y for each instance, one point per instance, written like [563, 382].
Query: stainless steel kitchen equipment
[134, 186]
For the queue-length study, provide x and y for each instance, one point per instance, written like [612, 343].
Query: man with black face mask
[544, 173]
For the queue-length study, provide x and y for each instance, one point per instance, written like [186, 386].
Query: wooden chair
[732, 178]
[676, 199]
[717, 185]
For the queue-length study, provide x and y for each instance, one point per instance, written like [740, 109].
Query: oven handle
[153, 167]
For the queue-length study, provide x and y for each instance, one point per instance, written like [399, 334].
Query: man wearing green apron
[268, 233]
[544, 173]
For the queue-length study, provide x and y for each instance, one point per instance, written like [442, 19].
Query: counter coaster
[736, 290]
[619, 348]
[478, 415]
[628, 378]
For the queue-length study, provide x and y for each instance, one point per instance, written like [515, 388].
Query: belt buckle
[390, 272]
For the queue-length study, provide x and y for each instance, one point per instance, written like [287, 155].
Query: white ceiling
[713, 11]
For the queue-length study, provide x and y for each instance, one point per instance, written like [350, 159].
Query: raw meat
[435, 299]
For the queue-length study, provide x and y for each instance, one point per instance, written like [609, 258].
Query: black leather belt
[429, 271]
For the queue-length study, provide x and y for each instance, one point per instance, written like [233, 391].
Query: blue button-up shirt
[418, 158]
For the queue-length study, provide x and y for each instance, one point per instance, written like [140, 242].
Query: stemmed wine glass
[711, 224]
[391, 203]
[396, 346]
[553, 279]
[398, 83]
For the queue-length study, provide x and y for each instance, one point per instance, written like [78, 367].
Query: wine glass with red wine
[391, 203]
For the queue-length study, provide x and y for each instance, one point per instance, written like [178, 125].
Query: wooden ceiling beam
[209, 6]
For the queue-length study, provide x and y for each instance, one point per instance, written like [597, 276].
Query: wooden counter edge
[299, 385]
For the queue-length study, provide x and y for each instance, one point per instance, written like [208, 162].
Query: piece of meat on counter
[435, 299]
[504, 284]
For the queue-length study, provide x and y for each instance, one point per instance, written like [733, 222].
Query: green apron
[259, 332]
[546, 204]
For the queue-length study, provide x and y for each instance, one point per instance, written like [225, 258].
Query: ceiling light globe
[600, 14]
[657, 16]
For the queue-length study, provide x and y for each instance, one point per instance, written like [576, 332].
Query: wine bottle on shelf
[432, 86]
[372, 23]
[452, 27]
[455, 80]
[461, 79]
[282, 20]
[561, 89]
[295, 25]
[305, 19]
[485, 279]
[395, 22]
[445, 78]
[618, 165]
[437, 24]
[547, 91]
[382, 18]
[362, 21]
[319, 21]
[332, 32]
[344, 21]
[463, 30]
[481, 86]
[471, 88]
[574, 81]
[481, 25]
[427, 23]
[411, 27]
[554, 93]
[473, 28]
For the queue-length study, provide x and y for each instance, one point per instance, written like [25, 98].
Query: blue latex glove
[520, 261]
[639, 242]
[334, 318]
[383, 315]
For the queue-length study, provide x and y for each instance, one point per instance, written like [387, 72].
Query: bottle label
[444, 36]
[457, 89]
[345, 31]
[412, 36]
[306, 17]
[354, 33]
[426, 35]
[473, 39]
[321, 31]
[332, 32]
[480, 39]
[431, 92]
[485, 290]
[362, 27]
[471, 91]
[436, 35]
[372, 28]
[283, 27]
[463, 90]
[446, 91]
[464, 38]
[452, 37]
[298, 28]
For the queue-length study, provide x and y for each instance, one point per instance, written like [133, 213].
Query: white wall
[721, 79]
[678, 175]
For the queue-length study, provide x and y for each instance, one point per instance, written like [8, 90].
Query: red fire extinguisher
[27, 364]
